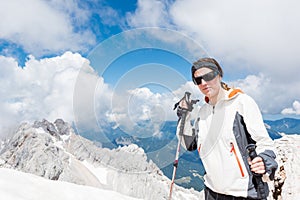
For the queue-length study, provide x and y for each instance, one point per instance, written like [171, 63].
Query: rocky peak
[63, 127]
[57, 129]
[36, 149]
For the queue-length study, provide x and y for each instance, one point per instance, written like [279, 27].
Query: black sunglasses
[207, 77]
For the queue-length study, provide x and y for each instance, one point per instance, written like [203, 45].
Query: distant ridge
[285, 125]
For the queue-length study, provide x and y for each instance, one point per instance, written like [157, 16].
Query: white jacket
[222, 133]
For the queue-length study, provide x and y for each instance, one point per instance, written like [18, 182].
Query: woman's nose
[203, 82]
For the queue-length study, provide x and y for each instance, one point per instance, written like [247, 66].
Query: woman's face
[208, 88]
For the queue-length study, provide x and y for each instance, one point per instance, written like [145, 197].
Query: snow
[288, 153]
[100, 172]
[40, 130]
[16, 185]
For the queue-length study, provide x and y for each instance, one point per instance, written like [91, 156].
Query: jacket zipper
[237, 159]
[199, 148]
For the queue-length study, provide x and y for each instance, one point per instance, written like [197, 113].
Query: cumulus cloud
[44, 27]
[269, 95]
[256, 32]
[42, 89]
[142, 112]
[149, 14]
[295, 109]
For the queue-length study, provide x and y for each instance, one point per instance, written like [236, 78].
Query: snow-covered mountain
[55, 152]
[59, 164]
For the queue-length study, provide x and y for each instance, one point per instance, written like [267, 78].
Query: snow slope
[16, 185]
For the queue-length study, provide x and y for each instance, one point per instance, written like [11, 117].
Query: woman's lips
[205, 89]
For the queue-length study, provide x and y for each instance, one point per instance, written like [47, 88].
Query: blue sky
[140, 52]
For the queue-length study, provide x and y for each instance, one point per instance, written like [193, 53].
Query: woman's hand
[183, 104]
[257, 165]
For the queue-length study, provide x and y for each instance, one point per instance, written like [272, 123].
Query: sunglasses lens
[210, 76]
[207, 77]
[198, 80]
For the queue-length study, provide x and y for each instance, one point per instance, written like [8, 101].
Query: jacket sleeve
[270, 163]
[256, 128]
[188, 137]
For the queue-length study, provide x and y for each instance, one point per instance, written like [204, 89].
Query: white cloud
[109, 16]
[295, 109]
[271, 96]
[43, 27]
[149, 14]
[252, 31]
[42, 89]
[141, 105]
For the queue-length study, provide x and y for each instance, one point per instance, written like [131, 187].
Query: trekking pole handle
[260, 187]
[251, 151]
[189, 103]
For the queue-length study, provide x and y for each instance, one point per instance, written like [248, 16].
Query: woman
[228, 122]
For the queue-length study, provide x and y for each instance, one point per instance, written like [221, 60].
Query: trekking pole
[261, 193]
[189, 108]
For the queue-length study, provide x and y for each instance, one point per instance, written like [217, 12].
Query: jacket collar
[226, 94]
